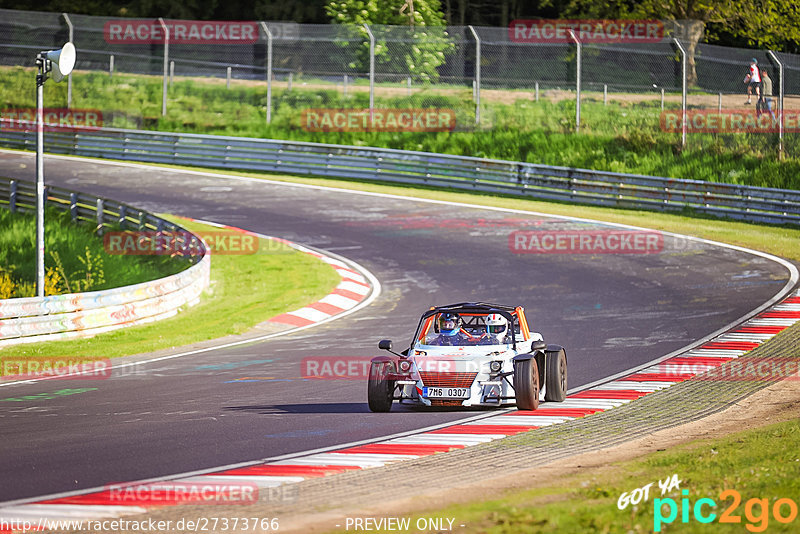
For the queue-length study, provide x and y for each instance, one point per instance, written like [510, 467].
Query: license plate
[445, 393]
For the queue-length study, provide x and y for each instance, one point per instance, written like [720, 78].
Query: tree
[764, 23]
[421, 30]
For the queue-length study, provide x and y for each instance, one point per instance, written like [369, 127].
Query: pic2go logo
[756, 511]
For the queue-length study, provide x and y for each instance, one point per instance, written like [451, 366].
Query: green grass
[621, 137]
[245, 290]
[760, 464]
[69, 242]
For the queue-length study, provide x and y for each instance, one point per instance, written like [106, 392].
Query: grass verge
[74, 256]
[623, 136]
[245, 290]
[759, 464]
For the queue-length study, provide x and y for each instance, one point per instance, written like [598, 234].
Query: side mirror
[385, 344]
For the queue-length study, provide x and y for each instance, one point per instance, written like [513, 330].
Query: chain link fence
[268, 73]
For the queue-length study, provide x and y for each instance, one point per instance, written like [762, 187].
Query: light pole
[59, 63]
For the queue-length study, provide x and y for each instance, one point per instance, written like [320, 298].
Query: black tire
[380, 391]
[526, 384]
[555, 380]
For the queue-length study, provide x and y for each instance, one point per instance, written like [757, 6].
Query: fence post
[537, 91]
[289, 86]
[228, 78]
[12, 196]
[344, 95]
[73, 206]
[683, 91]
[477, 75]
[605, 94]
[408, 85]
[269, 70]
[69, 76]
[371, 75]
[780, 102]
[662, 99]
[166, 65]
[577, 82]
[171, 72]
[111, 66]
[100, 216]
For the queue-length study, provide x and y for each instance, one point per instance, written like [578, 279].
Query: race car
[469, 354]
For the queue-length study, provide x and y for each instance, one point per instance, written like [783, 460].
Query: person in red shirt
[753, 81]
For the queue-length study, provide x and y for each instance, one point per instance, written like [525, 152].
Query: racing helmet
[496, 326]
[449, 323]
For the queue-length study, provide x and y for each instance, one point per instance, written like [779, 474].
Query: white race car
[469, 354]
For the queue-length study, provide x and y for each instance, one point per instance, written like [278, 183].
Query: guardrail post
[69, 76]
[477, 75]
[12, 196]
[100, 216]
[142, 221]
[122, 216]
[577, 81]
[780, 102]
[166, 65]
[73, 206]
[269, 70]
[683, 91]
[371, 75]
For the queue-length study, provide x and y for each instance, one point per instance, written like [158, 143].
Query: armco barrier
[33, 319]
[755, 204]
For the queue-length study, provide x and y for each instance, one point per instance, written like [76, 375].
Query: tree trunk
[690, 32]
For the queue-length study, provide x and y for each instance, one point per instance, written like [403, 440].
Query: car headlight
[495, 366]
[405, 366]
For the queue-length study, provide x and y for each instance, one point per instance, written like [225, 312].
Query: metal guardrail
[34, 319]
[748, 203]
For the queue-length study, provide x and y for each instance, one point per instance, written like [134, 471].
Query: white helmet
[496, 326]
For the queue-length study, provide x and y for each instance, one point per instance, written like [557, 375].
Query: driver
[496, 330]
[450, 333]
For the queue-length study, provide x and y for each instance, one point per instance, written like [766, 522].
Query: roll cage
[472, 314]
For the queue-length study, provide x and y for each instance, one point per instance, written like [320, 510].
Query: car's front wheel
[526, 384]
[555, 380]
[380, 390]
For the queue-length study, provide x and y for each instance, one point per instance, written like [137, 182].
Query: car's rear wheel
[555, 380]
[380, 391]
[526, 384]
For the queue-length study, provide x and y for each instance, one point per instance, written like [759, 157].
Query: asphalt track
[611, 311]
